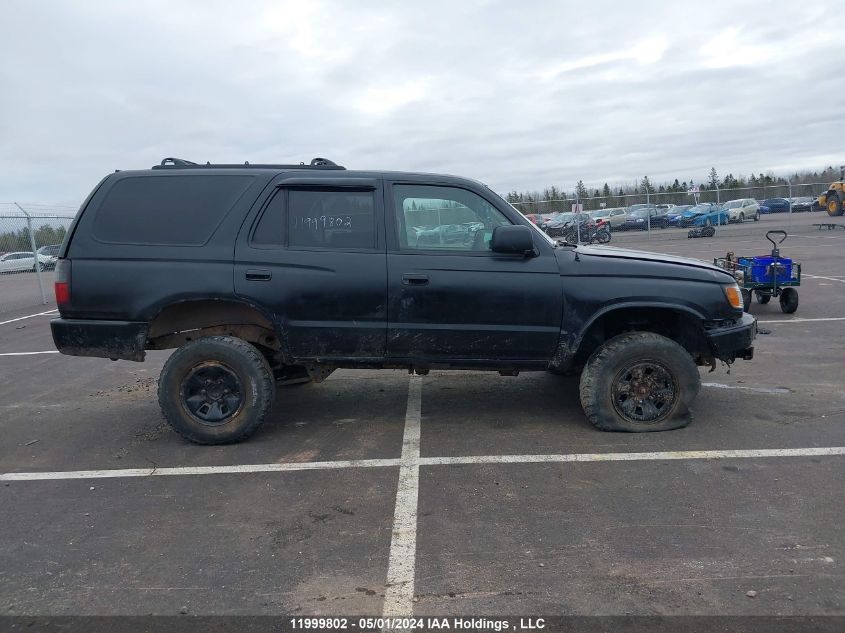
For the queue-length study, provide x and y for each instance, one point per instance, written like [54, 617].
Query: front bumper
[734, 341]
[101, 339]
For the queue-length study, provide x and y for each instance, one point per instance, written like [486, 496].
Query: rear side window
[167, 210]
[337, 219]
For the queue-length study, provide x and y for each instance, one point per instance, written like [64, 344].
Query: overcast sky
[520, 95]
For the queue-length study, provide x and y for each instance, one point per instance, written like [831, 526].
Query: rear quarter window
[180, 210]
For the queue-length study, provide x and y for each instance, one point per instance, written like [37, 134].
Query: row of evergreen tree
[758, 186]
[19, 240]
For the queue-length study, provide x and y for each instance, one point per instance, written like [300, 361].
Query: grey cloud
[465, 88]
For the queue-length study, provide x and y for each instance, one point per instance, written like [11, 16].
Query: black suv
[265, 275]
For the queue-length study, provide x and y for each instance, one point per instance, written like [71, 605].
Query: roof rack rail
[177, 163]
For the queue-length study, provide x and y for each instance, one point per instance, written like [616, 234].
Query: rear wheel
[603, 236]
[789, 300]
[216, 390]
[639, 382]
[834, 204]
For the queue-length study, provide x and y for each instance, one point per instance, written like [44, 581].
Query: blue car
[704, 214]
[676, 213]
[774, 205]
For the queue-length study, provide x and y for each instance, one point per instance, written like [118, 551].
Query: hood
[644, 256]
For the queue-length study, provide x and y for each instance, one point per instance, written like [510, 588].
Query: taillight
[62, 285]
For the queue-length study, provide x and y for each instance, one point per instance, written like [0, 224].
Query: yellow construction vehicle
[832, 200]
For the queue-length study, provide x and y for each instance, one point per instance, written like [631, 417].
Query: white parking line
[799, 320]
[828, 278]
[199, 470]
[29, 316]
[415, 462]
[399, 595]
[631, 457]
[54, 351]
[719, 385]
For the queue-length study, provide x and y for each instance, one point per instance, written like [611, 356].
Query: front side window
[432, 217]
[331, 219]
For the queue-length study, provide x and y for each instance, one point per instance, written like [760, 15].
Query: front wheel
[834, 205]
[639, 382]
[216, 390]
[741, 218]
[789, 300]
[603, 236]
[757, 216]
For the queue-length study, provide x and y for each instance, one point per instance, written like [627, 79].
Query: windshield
[802, 200]
[637, 207]
[733, 204]
[538, 230]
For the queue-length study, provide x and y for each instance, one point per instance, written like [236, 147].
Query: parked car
[640, 216]
[49, 255]
[554, 227]
[23, 261]
[774, 205]
[265, 275]
[705, 214]
[804, 204]
[676, 212]
[614, 216]
[742, 209]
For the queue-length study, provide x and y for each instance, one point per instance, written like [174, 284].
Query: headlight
[734, 296]
[640, 220]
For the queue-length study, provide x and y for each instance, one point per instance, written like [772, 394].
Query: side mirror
[515, 240]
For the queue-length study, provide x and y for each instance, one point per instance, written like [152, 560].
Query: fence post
[789, 184]
[37, 263]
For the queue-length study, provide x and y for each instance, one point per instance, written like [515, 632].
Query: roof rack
[180, 163]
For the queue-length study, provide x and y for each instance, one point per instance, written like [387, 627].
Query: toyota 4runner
[265, 275]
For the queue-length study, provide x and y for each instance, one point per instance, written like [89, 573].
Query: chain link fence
[718, 196]
[30, 238]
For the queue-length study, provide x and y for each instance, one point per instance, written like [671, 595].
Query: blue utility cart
[766, 276]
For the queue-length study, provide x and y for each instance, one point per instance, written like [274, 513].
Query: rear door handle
[414, 280]
[254, 274]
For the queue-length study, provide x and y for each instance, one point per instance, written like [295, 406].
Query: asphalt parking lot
[453, 493]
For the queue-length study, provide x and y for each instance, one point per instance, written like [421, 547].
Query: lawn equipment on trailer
[766, 276]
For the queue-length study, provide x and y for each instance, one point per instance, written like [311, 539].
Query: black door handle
[414, 280]
[254, 274]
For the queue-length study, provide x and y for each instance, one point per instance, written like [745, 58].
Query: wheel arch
[182, 321]
[680, 323]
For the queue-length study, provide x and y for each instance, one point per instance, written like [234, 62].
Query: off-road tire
[238, 357]
[610, 361]
[834, 204]
[789, 300]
